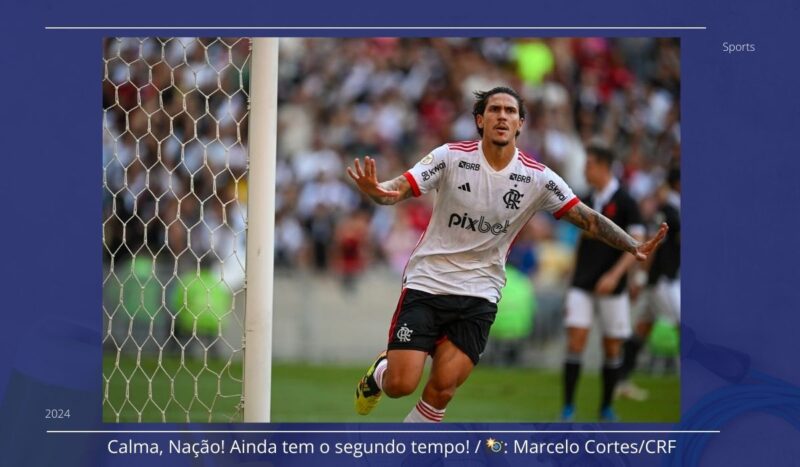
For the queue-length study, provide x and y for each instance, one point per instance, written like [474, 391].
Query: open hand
[645, 249]
[367, 179]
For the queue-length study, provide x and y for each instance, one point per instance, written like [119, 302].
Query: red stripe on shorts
[396, 314]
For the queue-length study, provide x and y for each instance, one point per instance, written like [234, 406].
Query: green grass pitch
[322, 393]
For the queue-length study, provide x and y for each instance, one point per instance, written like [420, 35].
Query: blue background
[741, 300]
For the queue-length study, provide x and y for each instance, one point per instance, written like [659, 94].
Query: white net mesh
[174, 218]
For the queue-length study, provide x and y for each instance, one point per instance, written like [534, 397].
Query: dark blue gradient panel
[741, 300]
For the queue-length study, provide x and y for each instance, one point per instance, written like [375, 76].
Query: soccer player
[662, 296]
[487, 191]
[599, 284]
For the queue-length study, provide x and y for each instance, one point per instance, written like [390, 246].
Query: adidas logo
[465, 187]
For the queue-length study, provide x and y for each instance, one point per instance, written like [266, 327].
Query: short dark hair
[482, 97]
[601, 153]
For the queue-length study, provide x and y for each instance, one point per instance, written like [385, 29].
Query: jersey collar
[490, 168]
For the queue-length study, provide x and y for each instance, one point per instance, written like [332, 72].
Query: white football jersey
[477, 214]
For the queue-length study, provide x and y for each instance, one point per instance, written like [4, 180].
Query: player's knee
[612, 349]
[444, 395]
[439, 395]
[575, 346]
[398, 386]
[576, 340]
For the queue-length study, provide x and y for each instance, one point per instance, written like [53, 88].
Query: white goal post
[261, 231]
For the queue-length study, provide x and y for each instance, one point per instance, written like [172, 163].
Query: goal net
[175, 172]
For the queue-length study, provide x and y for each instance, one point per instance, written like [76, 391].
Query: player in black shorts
[465, 321]
[486, 191]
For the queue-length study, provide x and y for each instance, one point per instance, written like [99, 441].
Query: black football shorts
[423, 320]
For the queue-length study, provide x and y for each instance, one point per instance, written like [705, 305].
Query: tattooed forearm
[613, 235]
[396, 184]
[601, 227]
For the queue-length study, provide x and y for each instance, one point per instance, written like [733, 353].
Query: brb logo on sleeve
[477, 225]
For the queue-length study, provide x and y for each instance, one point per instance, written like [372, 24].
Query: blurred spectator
[350, 248]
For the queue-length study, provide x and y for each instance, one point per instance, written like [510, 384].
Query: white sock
[378, 373]
[424, 413]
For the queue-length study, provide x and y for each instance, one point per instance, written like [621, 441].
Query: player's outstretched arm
[389, 192]
[602, 228]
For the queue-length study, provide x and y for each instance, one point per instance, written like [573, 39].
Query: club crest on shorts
[404, 334]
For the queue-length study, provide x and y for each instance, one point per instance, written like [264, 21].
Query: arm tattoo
[601, 227]
[396, 184]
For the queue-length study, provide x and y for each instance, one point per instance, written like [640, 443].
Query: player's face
[500, 121]
[595, 171]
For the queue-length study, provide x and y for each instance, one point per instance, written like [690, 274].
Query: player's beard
[501, 143]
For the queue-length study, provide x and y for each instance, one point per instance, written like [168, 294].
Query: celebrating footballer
[487, 191]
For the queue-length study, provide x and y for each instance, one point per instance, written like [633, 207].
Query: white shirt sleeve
[427, 174]
[557, 196]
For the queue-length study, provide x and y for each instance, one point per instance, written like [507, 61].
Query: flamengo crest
[512, 199]
[404, 334]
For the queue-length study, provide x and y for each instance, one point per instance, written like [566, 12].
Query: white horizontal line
[377, 28]
[378, 431]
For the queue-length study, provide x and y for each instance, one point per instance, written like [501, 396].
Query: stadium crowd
[175, 134]
[174, 188]
[397, 99]
[174, 144]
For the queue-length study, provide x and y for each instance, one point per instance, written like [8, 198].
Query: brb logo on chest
[520, 178]
[426, 175]
[556, 191]
[477, 225]
[468, 165]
